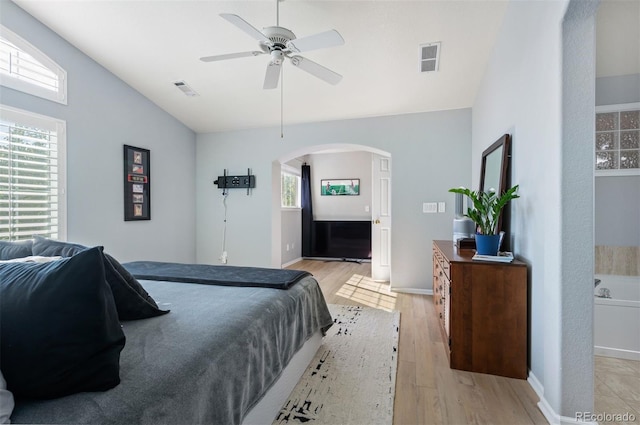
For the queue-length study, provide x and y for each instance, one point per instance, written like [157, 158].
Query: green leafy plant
[486, 207]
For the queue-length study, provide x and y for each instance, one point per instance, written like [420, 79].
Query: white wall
[103, 114]
[539, 87]
[344, 165]
[430, 154]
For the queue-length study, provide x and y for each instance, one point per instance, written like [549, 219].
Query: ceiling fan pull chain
[281, 103]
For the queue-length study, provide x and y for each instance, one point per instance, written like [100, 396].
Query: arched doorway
[379, 210]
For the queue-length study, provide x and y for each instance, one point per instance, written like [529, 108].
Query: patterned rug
[352, 378]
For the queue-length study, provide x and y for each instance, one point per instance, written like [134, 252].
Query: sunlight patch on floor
[365, 291]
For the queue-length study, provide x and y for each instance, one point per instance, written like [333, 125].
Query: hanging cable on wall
[223, 256]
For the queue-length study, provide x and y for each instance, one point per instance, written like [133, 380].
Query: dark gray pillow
[52, 248]
[132, 300]
[18, 249]
[60, 331]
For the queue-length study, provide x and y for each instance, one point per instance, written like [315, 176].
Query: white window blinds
[25, 68]
[31, 176]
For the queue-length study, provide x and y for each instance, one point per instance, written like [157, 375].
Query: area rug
[352, 378]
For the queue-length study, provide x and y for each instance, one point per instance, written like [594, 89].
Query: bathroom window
[617, 139]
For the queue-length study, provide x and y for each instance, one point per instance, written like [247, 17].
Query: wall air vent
[184, 87]
[429, 57]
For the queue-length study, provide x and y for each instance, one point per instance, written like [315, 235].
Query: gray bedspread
[215, 275]
[209, 361]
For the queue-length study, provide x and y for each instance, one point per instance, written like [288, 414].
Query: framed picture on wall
[338, 187]
[137, 184]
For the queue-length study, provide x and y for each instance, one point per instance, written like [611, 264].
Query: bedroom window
[290, 187]
[27, 69]
[32, 176]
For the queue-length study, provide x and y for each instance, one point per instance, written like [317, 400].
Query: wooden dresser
[482, 308]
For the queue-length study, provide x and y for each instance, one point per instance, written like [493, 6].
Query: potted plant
[485, 213]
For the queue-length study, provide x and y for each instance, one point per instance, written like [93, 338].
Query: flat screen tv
[342, 239]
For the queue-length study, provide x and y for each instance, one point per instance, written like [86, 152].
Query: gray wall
[617, 211]
[618, 89]
[291, 235]
[430, 153]
[617, 198]
[103, 114]
[341, 166]
[549, 110]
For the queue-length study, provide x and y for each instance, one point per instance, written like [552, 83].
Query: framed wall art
[337, 187]
[137, 184]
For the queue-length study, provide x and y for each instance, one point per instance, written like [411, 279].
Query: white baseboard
[617, 353]
[535, 384]
[549, 414]
[412, 291]
[289, 263]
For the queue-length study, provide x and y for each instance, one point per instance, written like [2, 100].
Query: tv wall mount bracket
[226, 182]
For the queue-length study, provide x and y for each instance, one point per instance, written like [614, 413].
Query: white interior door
[381, 219]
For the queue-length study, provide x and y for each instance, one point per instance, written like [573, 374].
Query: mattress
[209, 361]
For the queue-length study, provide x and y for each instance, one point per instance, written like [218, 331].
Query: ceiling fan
[280, 44]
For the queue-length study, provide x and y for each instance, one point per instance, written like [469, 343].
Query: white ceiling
[150, 43]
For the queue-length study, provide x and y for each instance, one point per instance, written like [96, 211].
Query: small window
[617, 139]
[290, 187]
[32, 171]
[27, 69]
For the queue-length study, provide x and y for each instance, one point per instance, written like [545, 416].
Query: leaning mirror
[495, 161]
[495, 168]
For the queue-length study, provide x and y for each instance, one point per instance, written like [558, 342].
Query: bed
[222, 355]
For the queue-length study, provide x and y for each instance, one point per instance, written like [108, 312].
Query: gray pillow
[18, 249]
[132, 300]
[60, 331]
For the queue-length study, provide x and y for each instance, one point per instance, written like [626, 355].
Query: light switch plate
[441, 207]
[429, 207]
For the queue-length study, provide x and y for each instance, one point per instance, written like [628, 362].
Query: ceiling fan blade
[318, 41]
[246, 27]
[316, 70]
[230, 56]
[272, 76]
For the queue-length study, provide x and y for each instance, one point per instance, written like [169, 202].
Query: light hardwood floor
[617, 387]
[427, 390]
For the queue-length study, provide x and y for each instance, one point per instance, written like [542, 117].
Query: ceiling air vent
[185, 88]
[429, 57]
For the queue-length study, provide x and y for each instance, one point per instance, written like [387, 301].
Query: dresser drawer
[442, 261]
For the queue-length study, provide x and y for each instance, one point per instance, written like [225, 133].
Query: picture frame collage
[137, 183]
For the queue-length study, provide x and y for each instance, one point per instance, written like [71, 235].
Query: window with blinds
[25, 68]
[31, 176]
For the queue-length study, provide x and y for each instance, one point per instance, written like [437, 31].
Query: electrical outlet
[223, 257]
[287, 247]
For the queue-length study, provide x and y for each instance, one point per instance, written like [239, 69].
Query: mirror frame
[505, 143]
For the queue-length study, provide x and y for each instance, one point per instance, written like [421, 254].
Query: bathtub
[616, 328]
